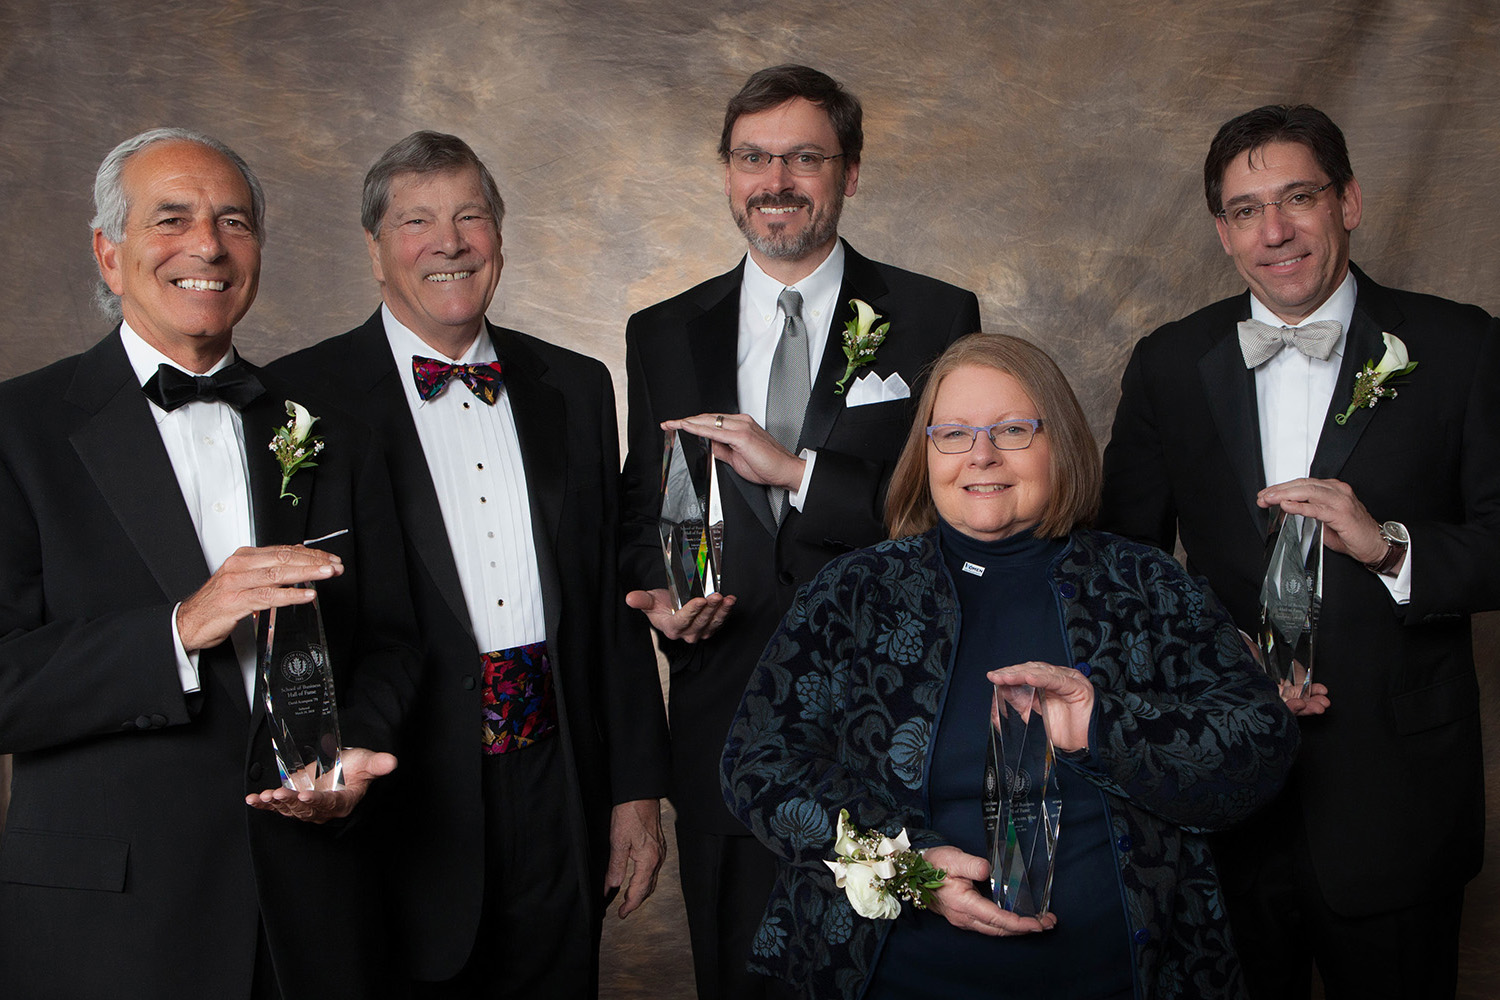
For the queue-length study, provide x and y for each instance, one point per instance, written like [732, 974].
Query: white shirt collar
[145, 359]
[761, 290]
[1338, 307]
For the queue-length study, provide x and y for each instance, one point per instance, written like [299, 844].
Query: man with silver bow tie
[1253, 402]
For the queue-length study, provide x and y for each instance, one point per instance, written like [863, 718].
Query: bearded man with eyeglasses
[1251, 403]
[752, 360]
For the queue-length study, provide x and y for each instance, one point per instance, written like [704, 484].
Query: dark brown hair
[1300, 123]
[773, 87]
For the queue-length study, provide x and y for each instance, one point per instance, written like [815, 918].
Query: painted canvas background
[1047, 155]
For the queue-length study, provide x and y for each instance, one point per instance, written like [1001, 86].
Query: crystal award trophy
[1022, 803]
[692, 523]
[1291, 599]
[297, 680]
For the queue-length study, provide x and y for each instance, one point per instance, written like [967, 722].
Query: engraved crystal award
[298, 683]
[1291, 599]
[692, 523]
[1022, 803]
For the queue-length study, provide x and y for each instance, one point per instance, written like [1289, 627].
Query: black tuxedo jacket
[1389, 780]
[680, 356]
[130, 864]
[609, 697]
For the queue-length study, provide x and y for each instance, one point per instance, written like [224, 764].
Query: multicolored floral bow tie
[432, 377]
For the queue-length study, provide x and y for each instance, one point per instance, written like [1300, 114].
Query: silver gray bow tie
[1260, 342]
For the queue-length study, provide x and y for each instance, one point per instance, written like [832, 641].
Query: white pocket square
[871, 388]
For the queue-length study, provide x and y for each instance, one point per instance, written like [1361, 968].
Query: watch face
[1396, 532]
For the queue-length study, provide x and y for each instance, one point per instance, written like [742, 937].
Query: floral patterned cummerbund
[520, 705]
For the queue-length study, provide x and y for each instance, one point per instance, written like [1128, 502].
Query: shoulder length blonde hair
[1076, 474]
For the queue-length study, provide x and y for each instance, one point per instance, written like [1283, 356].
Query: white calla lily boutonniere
[877, 872]
[295, 445]
[1371, 384]
[861, 340]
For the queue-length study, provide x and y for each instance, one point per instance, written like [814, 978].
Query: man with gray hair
[146, 523]
[532, 774]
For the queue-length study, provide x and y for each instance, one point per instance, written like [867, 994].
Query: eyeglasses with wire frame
[1294, 202]
[1007, 435]
[799, 162]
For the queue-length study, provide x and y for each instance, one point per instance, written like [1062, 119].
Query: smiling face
[189, 264]
[987, 493]
[1292, 263]
[788, 219]
[437, 256]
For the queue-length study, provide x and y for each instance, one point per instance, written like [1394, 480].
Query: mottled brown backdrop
[1046, 155]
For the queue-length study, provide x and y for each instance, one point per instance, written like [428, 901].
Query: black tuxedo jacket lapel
[538, 407]
[861, 281]
[1229, 388]
[1373, 314]
[122, 449]
[377, 374]
[713, 337]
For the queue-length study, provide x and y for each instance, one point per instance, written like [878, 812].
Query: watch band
[1395, 551]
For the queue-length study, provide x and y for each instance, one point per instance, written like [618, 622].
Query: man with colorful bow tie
[1253, 402]
[143, 528]
[755, 360]
[530, 783]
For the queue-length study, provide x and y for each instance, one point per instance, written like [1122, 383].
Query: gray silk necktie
[789, 387]
[1260, 342]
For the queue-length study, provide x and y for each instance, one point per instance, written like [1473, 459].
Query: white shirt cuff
[187, 663]
[1400, 584]
[811, 458]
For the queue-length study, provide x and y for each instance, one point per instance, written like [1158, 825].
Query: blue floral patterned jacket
[1188, 735]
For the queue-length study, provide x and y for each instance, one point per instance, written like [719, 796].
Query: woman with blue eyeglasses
[875, 694]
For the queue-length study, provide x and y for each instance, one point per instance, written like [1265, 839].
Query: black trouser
[1282, 926]
[726, 881]
[535, 937]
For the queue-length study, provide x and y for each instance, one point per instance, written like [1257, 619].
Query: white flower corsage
[1370, 384]
[860, 341]
[295, 445]
[876, 872]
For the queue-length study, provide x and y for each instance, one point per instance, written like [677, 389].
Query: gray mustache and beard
[779, 242]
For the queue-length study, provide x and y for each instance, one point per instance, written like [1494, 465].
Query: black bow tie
[171, 387]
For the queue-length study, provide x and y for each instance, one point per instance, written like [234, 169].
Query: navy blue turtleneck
[1009, 614]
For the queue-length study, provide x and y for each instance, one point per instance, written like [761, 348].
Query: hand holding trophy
[1291, 601]
[297, 685]
[692, 523]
